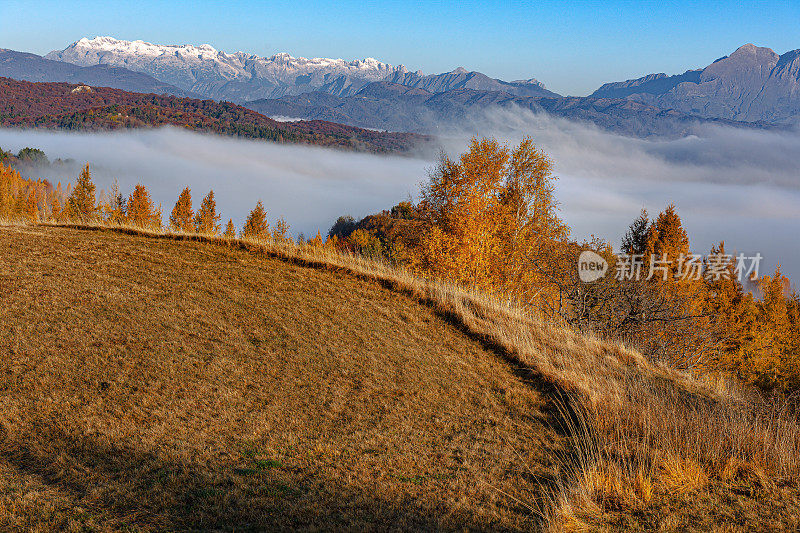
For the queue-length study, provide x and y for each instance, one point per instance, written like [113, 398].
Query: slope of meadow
[198, 383]
[156, 384]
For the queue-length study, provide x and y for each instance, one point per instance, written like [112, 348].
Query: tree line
[34, 201]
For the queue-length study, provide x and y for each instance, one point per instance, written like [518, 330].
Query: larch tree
[635, 240]
[55, 208]
[141, 211]
[182, 216]
[207, 220]
[230, 230]
[281, 230]
[81, 206]
[256, 226]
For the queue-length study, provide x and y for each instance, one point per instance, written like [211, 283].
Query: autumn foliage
[141, 211]
[256, 226]
[182, 216]
[488, 220]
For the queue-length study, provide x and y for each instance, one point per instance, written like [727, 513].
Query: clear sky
[573, 47]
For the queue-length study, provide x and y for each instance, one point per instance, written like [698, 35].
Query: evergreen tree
[256, 225]
[182, 216]
[635, 240]
[230, 230]
[81, 203]
[141, 211]
[207, 220]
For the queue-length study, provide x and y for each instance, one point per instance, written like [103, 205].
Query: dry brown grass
[159, 385]
[648, 447]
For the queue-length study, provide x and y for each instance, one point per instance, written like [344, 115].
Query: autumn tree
[366, 244]
[55, 208]
[635, 240]
[256, 226]
[81, 203]
[182, 216]
[31, 210]
[491, 220]
[206, 220]
[280, 231]
[230, 230]
[667, 244]
[141, 211]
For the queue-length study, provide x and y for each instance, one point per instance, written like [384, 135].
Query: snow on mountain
[242, 77]
[217, 74]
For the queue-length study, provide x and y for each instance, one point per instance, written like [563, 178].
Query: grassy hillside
[163, 383]
[159, 384]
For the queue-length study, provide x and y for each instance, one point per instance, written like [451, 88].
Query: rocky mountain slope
[241, 76]
[752, 84]
[390, 106]
[31, 67]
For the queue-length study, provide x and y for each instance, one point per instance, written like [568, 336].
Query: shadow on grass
[126, 488]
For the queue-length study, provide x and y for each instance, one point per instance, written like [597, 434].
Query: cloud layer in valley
[308, 186]
[739, 185]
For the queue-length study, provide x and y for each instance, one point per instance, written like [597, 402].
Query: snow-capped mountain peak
[241, 76]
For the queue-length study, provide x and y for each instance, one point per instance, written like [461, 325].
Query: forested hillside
[83, 108]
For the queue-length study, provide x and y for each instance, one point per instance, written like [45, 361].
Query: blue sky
[572, 47]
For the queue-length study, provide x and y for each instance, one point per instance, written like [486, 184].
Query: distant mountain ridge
[752, 84]
[390, 106]
[240, 76]
[31, 67]
[752, 87]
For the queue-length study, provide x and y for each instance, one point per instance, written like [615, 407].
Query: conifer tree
[230, 230]
[31, 207]
[256, 225]
[280, 231]
[207, 220]
[81, 203]
[141, 211]
[182, 217]
[55, 208]
[666, 237]
[635, 240]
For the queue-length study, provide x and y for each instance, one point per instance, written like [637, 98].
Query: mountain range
[753, 88]
[240, 77]
[752, 84]
[31, 67]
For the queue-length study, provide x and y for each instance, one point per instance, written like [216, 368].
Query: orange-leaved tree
[230, 230]
[207, 220]
[182, 216]
[281, 231]
[491, 220]
[81, 205]
[256, 224]
[141, 211]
